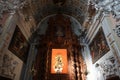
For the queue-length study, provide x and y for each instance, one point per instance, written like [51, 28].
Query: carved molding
[109, 67]
[10, 6]
[108, 6]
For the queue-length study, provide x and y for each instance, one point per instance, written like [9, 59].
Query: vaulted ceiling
[42, 8]
[80, 9]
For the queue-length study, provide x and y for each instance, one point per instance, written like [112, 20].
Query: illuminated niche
[59, 63]
[58, 66]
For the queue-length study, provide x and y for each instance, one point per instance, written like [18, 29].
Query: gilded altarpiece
[59, 36]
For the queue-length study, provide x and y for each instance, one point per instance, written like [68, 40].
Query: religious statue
[58, 64]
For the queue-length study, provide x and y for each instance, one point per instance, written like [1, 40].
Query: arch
[75, 25]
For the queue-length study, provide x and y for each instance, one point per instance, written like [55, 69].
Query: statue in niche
[58, 64]
[59, 31]
[59, 35]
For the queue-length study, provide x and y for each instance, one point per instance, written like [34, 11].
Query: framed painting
[19, 45]
[99, 46]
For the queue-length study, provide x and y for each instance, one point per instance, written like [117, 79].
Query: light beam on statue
[59, 62]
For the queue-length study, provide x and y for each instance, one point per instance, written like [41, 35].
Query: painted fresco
[19, 45]
[98, 46]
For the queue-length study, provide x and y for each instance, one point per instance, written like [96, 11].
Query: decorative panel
[58, 56]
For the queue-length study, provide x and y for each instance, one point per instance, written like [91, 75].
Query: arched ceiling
[80, 9]
[43, 8]
[75, 25]
[39, 9]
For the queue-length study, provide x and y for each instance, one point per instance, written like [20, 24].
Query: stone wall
[108, 65]
[10, 64]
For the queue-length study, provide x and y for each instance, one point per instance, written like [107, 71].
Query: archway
[58, 40]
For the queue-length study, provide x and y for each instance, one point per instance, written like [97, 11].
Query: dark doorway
[4, 78]
[114, 78]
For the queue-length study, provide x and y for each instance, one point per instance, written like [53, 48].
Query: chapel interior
[59, 39]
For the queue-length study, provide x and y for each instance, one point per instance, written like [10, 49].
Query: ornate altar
[59, 56]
